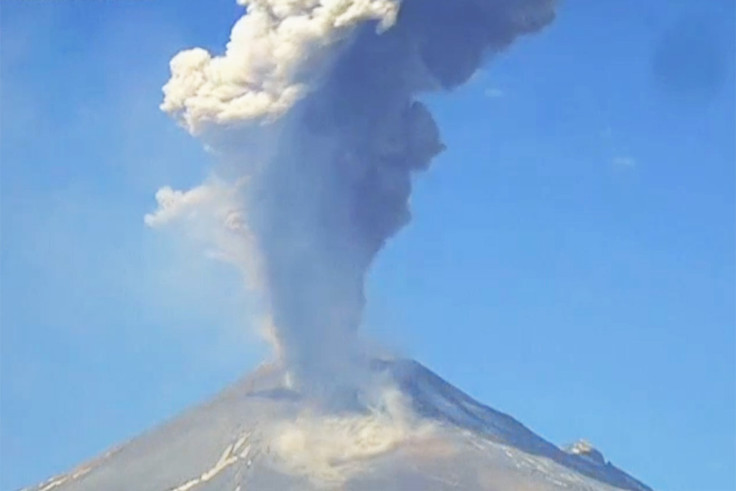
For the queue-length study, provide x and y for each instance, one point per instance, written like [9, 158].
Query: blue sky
[570, 262]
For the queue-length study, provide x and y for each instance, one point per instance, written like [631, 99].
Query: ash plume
[313, 112]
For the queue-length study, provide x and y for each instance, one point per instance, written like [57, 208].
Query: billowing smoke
[313, 112]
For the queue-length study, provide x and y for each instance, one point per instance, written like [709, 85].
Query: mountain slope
[261, 435]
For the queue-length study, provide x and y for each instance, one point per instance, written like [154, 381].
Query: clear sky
[570, 262]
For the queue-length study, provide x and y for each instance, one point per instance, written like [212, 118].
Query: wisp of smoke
[313, 111]
[331, 448]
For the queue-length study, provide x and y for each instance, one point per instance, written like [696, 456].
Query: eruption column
[314, 107]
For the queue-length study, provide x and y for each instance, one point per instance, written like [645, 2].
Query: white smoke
[276, 54]
[329, 449]
[211, 214]
[313, 110]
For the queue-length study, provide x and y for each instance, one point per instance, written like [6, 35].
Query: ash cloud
[313, 111]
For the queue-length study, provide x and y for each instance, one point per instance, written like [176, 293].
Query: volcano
[261, 434]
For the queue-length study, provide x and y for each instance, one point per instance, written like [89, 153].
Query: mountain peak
[425, 434]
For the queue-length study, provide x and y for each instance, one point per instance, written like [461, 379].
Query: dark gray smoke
[324, 96]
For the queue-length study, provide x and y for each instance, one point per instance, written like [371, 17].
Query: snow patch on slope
[233, 453]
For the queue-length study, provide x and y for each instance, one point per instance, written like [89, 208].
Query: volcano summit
[262, 435]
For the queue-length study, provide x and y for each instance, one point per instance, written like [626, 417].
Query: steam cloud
[313, 111]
